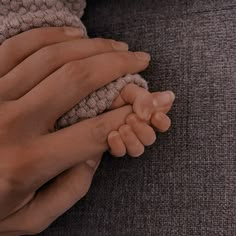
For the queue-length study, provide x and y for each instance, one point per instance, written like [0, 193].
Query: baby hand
[149, 110]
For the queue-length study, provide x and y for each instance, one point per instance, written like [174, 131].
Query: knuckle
[103, 43]
[41, 34]
[114, 136]
[131, 119]
[75, 70]
[125, 61]
[99, 40]
[7, 44]
[5, 189]
[68, 69]
[13, 183]
[12, 170]
[125, 56]
[121, 59]
[125, 130]
[8, 48]
[47, 54]
[62, 30]
[101, 130]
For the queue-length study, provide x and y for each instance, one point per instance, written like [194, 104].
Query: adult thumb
[103, 124]
[56, 152]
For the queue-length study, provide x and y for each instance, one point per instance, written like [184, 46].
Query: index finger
[51, 154]
[16, 49]
[63, 89]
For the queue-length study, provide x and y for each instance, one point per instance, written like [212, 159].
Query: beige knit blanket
[21, 15]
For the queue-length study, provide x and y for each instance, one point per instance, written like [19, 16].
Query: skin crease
[31, 154]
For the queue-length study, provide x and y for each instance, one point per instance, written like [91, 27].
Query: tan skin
[36, 67]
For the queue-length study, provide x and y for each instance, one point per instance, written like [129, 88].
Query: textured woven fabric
[20, 15]
[185, 184]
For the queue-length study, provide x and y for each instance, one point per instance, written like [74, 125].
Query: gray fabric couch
[185, 184]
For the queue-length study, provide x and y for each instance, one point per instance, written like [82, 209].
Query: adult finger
[51, 154]
[17, 82]
[142, 130]
[161, 121]
[78, 79]
[17, 48]
[52, 200]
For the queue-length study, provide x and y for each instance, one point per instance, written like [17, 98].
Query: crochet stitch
[22, 15]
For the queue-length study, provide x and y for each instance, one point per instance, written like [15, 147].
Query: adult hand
[45, 72]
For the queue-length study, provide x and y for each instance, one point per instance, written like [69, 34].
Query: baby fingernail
[143, 56]
[171, 94]
[131, 119]
[113, 134]
[164, 97]
[70, 31]
[120, 45]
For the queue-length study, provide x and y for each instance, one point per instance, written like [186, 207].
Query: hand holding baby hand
[36, 162]
[149, 110]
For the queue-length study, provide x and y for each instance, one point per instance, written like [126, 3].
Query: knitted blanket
[21, 15]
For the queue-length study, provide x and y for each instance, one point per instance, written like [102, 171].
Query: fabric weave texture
[185, 184]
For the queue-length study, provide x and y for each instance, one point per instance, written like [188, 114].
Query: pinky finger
[117, 147]
[161, 121]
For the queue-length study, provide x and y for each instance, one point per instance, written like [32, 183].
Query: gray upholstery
[185, 184]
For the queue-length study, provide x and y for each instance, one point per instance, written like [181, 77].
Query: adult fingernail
[70, 31]
[163, 98]
[120, 45]
[143, 56]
